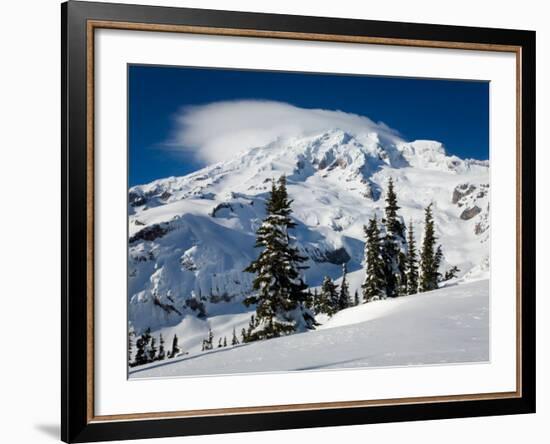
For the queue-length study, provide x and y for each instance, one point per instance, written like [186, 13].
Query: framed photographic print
[276, 221]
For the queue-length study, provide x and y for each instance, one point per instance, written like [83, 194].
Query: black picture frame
[76, 423]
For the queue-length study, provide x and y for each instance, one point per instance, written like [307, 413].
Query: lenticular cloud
[217, 131]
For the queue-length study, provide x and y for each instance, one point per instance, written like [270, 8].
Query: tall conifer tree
[153, 350]
[412, 262]
[131, 336]
[161, 354]
[374, 286]
[234, 339]
[438, 258]
[428, 257]
[143, 345]
[344, 300]
[329, 297]
[175, 348]
[280, 291]
[394, 245]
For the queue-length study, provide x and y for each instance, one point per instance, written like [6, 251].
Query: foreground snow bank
[449, 325]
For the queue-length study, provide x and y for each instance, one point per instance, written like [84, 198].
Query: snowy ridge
[192, 236]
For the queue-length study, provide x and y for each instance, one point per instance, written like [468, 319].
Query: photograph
[299, 221]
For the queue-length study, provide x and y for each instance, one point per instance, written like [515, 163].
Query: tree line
[147, 349]
[392, 264]
[393, 267]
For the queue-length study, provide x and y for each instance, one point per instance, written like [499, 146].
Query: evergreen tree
[428, 260]
[328, 298]
[141, 357]
[451, 273]
[412, 262]
[252, 324]
[162, 354]
[175, 348]
[393, 245]
[315, 303]
[131, 335]
[356, 298]
[438, 258]
[234, 340]
[143, 345]
[210, 340]
[280, 294]
[344, 297]
[220, 343]
[243, 335]
[374, 286]
[310, 301]
[153, 350]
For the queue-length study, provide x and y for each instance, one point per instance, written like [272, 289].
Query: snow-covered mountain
[191, 237]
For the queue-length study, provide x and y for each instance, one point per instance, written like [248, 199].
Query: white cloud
[219, 130]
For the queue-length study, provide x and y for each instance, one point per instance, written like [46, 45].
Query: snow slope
[449, 325]
[192, 236]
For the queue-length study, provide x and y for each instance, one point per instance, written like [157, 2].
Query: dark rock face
[217, 211]
[216, 299]
[136, 200]
[196, 305]
[468, 213]
[461, 191]
[336, 257]
[372, 191]
[188, 264]
[150, 233]
[166, 307]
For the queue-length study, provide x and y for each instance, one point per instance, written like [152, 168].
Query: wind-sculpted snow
[449, 325]
[192, 236]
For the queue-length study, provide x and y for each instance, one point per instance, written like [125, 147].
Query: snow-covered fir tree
[394, 245]
[315, 302]
[153, 350]
[175, 348]
[143, 348]
[374, 285]
[243, 335]
[411, 262]
[161, 354]
[438, 258]
[280, 292]
[329, 297]
[310, 301]
[131, 336]
[451, 273]
[344, 300]
[428, 257]
[208, 343]
[210, 340]
[234, 339]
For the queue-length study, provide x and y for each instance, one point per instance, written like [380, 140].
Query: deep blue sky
[453, 112]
